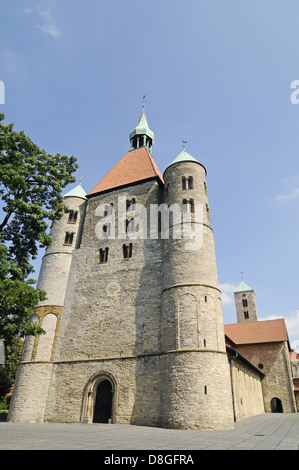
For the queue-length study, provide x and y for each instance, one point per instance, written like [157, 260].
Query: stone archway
[276, 405]
[103, 403]
[100, 399]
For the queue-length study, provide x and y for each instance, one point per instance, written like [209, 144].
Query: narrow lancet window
[69, 237]
[103, 255]
[127, 251]
[73, 217]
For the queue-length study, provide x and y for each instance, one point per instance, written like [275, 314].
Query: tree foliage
[13, 352]
[31, 184]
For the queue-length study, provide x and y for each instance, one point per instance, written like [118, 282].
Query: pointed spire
[78, 191]
[142, 136]
[243, 287]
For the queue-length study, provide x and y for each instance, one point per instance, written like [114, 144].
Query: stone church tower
[133, 320]
[245, 303]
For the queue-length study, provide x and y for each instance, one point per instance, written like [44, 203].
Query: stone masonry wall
[273, 359]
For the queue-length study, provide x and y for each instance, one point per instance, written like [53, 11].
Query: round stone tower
[34, 372]
[197, 388]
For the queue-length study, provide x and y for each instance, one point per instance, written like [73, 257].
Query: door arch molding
[89, 396]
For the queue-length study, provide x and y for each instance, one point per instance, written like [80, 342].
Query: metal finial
[242, 275]
[184, 144]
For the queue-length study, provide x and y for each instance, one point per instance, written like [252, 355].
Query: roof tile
[267, 331]
[137, 165]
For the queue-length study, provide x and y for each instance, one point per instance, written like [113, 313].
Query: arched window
[73, 217]
[190, 182]
[127, 251]
[69, 237]
[103, 255]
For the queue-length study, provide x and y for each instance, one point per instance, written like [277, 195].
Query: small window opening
[130, 226]
[108, 209]
[73, 217]
[127, 251]
[246, 315]
[183, 182]
[131, 204]
[204, 343]
[188, 206]
[245, 303]
[190, 182]
[206, 390]
[69, 237]
[206, 298]
[107, 229]
[103, 258]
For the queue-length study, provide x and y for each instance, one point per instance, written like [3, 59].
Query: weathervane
[144, 100]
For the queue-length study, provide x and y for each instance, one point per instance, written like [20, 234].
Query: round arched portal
[103, 403]
[100, 399]
[276, 405]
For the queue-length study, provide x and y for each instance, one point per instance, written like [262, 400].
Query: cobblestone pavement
[263, 432]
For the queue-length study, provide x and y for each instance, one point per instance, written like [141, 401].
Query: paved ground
[264, 432]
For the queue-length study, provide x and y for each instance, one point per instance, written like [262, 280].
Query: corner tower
[197, 389]
[34, 372]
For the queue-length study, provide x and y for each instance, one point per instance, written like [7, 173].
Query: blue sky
[216, 73]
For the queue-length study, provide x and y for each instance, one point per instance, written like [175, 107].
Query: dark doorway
[276, 405]
[103, 404]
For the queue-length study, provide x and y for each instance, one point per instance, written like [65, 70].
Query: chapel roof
[136, 166]
[267, 331]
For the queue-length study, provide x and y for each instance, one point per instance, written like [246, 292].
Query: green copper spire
[142, 136]
[78, 191]
[243, 287]
[184, 156]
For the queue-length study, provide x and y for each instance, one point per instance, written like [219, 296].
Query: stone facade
[273, 361]
[148, 324]
[247, 387]
[133, 316]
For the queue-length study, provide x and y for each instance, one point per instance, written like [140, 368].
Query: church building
[133, 316]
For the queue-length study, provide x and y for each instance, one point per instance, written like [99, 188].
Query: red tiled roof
[257, 332]
[137, 165]
[294, 356]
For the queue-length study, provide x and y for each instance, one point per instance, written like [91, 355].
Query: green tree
[31, 184]
[13, 352]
